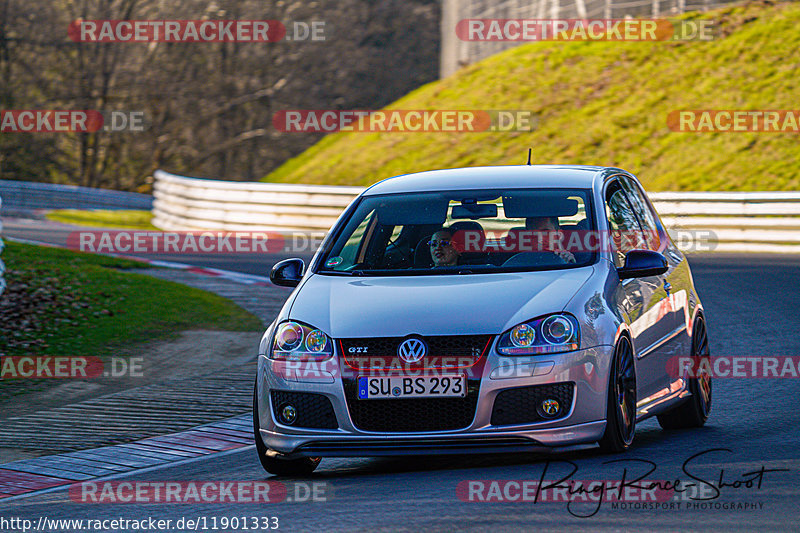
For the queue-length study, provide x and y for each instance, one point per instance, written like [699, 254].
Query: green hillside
[603, 103]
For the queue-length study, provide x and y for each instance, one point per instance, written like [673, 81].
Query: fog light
[523, 335]
[549, 408]
[288, 414]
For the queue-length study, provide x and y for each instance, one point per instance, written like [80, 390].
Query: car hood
[351, 307]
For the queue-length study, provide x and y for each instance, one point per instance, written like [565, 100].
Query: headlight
[545, 335]
[298, 341]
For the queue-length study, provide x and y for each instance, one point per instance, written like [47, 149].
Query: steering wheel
[535, 259]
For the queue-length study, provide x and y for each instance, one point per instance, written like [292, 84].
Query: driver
[549, 224]
[443, 251]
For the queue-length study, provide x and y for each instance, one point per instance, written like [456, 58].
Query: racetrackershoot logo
[585, 498]
[731, 120]
[194, 31]
[633, 487]
[404, 121]
[72, 121]
[207, 491]
[493, 30]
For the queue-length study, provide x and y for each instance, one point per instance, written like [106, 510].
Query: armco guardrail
[720, 221]
[27, 195]
[737, 221]
[191, 204]
[2, 245]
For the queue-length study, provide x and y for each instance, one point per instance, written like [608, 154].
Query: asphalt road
[751, 304]
[296, 245]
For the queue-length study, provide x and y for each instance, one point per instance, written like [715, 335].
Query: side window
[354, 243]
[626, 234]
[646, 215]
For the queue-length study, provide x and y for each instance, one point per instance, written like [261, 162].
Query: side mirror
[287, 273]
[642, 263]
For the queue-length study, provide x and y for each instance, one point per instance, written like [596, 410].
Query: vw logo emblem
[412, 350]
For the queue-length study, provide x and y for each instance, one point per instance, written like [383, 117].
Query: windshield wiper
[337, 272]
[344, 272]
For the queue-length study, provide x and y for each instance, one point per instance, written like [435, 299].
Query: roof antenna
[529, 156]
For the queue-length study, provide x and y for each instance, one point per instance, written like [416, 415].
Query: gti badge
[358, 349]
[412, 350]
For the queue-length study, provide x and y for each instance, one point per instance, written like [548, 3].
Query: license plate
[452, 386]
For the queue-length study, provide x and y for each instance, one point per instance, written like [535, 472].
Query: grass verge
[107, 218]
[60, 302]
[602, 103]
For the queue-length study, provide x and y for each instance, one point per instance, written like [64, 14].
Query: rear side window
[646, 215]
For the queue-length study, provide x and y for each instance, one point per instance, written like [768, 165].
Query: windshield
[462, 232]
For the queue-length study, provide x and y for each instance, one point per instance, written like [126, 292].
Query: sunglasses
[435, 243]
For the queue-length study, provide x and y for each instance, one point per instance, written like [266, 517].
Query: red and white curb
[237, 277]
[22, 478]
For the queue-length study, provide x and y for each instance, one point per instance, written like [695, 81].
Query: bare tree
[208, 106]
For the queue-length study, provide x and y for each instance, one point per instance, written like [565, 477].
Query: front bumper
[583, 424]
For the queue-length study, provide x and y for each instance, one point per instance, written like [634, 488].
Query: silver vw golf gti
[489, 309]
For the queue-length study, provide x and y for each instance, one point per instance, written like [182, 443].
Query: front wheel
[694, 412]
[621, 405]
[276, 465]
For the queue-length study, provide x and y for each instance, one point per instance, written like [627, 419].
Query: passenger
[443, 251]
[549, 224]
[542, 223]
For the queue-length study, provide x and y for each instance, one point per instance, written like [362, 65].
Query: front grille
[367, 351]
[313, 410]
[519, 405]
[412, 414]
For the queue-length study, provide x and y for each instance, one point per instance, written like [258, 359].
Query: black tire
[694, 412]
[621, 404]
[278, 466]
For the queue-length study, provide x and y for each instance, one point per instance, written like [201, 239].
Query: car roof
[512, 177]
